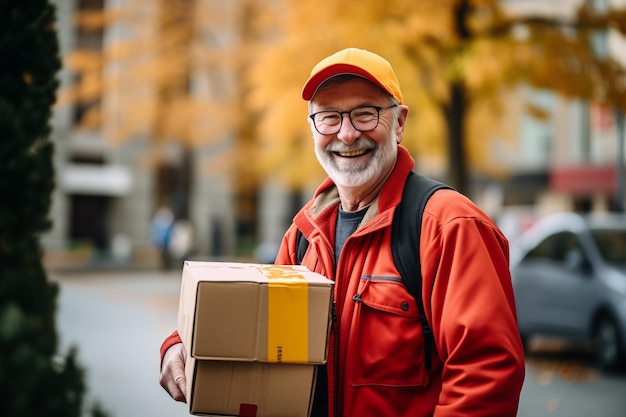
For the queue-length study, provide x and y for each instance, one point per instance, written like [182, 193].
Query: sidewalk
[117, 320]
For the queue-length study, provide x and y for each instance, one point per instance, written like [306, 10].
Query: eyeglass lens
[362, 118]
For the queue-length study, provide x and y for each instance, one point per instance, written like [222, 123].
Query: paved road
[118, 321]
[562, 382]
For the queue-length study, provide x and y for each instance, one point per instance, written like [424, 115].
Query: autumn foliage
[197, 72]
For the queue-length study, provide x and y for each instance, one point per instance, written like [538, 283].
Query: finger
[175, 386]
[177, 394]
[181, 386]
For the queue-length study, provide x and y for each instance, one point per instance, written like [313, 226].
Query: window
[556, 247]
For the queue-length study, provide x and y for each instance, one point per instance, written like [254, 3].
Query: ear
[400, 122]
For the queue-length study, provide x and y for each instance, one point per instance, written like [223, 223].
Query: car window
[612, 245]
[556, 247]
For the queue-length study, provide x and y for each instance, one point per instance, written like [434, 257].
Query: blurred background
[180, 133]
[192, 108]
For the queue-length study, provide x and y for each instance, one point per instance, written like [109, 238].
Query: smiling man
[377, 364]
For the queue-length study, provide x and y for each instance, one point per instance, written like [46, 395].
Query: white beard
[357, 174]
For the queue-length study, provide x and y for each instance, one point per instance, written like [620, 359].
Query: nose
[347, 133]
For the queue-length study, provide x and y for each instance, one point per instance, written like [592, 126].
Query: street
[119, 319]
[563, 383]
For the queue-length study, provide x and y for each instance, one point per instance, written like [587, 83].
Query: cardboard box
[254, 312]
[236, 388]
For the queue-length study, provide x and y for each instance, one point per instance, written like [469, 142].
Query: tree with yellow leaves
[453, 58]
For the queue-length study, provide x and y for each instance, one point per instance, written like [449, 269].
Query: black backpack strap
[302, 244]
[405, 244]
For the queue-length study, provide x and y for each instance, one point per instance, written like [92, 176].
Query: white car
[569, 278]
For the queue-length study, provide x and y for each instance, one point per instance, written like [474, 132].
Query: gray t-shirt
[347, 223]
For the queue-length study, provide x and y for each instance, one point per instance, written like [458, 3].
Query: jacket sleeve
[474, 320]
[169, 341]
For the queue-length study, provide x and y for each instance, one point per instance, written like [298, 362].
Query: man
[376, 363]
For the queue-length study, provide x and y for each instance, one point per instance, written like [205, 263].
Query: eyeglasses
[363, 119]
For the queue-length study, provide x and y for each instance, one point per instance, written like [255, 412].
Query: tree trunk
[456, 108]
[455, 119]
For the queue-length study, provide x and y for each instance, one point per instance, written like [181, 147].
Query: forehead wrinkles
[355, 92]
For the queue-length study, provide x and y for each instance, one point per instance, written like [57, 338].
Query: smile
[352, 154]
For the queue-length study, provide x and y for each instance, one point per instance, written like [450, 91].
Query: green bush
[36, 380]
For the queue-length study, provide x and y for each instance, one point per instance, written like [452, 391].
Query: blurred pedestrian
[161, 233]
[181, 241]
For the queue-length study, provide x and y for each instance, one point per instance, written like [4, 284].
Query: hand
[172, 376]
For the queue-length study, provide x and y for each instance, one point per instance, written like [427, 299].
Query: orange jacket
[375, 356]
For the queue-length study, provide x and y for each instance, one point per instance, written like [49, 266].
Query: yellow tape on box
[287, 315]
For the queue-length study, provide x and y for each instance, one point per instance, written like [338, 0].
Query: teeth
[352, 153]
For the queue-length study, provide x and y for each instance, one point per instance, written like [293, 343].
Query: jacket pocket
[389, 343]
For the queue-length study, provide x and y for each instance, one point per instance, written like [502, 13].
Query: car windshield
[612, 245]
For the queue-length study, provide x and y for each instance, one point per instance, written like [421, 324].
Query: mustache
[360, 143]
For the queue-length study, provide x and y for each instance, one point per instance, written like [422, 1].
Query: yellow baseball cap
[354, 61]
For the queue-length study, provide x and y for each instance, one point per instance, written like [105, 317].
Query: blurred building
[108, 191]
[572, 160]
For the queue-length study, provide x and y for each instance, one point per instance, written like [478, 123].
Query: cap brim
[315, 81]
